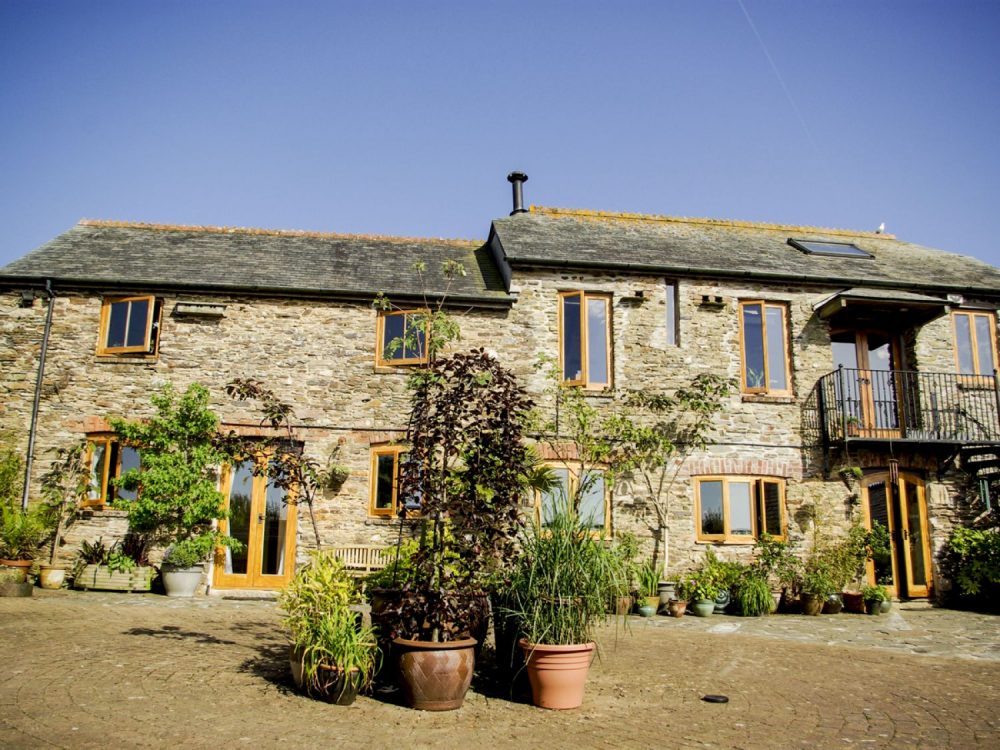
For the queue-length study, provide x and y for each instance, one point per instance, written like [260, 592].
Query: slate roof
[97, 254]
[720, 249]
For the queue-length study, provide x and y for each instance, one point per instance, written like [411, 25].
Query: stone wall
[319, 356]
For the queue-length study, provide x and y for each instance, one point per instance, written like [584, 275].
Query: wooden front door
[901, 507]
[870, 391]
[261, 517]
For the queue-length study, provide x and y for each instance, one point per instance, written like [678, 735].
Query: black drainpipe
[38, 395]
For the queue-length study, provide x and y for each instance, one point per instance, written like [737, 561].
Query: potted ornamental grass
[176, 502]
[562, 584]
[332, 655]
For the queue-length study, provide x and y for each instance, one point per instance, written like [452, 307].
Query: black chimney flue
[517, 179]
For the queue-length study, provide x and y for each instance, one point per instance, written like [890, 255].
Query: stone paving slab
[87, 670]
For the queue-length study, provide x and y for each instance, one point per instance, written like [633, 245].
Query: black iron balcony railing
[930, 407]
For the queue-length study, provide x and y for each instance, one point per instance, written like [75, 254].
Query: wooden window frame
[976, 376]
[107, 471]
[764, 389]
[151, 340]
[381, 343]
[757, 484]
[584, 380]
[384, 450]
[574, 469]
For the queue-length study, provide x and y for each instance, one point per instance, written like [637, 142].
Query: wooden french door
[870, 391]
[901, 507]
[260, 517]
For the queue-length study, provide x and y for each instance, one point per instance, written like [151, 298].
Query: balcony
[903, 405]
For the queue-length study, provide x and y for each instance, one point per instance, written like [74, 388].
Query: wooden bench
[360, 560]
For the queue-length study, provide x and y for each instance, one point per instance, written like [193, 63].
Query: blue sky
[405, 118]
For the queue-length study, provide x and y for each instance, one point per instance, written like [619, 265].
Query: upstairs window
[739, 509]
[838, 249]
[129, 325]
[585, 339]
[975, 342]
[108, 460]
[402, 338]
[764, 349]
[586, 491]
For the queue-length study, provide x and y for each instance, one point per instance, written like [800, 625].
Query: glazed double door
[869, 391]
[263, 520]
[900, 506]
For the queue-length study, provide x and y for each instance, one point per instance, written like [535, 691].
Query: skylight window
[840, 249]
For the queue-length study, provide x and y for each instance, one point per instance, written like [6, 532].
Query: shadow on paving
[176, 633]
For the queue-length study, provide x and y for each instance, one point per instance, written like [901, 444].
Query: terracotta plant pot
[20, 568]
[854, 602]
[677, 607]
[558, 674]
[51, 576]
[435, 676]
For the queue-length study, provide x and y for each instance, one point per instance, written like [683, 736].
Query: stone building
[865, 365]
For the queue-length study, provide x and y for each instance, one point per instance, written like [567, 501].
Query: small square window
[586, 492]
[129, 325]
[108, 460]
[401, 338]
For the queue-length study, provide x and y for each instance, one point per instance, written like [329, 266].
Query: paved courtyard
[84, 670]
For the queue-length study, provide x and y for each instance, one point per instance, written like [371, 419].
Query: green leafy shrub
[876, 593]
[325, 631]
[971, 559]
[752, 594]
[176, 489]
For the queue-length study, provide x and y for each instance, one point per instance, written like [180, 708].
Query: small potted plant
[21, 535]
[332, 656]
[874, 596]
[122, 566]
[816, 585]
[649, 583]
[677, 606]
[702, 589]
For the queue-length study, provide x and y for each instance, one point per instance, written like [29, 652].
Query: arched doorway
[901, 507]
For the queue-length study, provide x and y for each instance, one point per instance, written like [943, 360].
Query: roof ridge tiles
[622, 216]
[106, 223]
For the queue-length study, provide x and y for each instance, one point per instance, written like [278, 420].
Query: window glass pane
[572, 354]
[711, 507]
[137, 318]
[597, 341]
[240, 493]
[591, 510]
[915, 534]
[671, 302]
[98, 453]
[392, 329]
[740, 509]
[129, 459]
[753, 347]
[963, 342]
[117, 318]
[384, 475]
[415, 334]
[555, 500]
[984, 344]
[275, 528]
[776, 377]
[772, 509]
